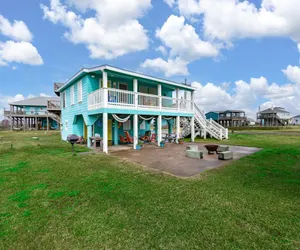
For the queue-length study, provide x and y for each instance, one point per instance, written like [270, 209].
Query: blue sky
[218, 45]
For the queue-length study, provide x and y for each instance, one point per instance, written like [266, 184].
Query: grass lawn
[50, 199]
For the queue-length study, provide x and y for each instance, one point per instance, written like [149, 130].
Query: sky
[238, 54]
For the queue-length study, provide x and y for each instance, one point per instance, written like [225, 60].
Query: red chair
[146, 137]
[128, 137]
[153, 138]
[123, 140]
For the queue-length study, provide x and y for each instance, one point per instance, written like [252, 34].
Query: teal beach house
[114, 103]
[38, 113]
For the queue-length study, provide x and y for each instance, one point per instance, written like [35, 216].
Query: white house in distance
[296, 120]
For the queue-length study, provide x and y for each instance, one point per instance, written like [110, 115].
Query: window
[72, 95]
[64, 99]
[79, 91]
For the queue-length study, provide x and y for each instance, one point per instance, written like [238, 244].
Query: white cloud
[20, 52]
[170, 67]
[162, 49]
[184, 45]
[247, 95]
[183, 40]
[228, 20]
[17, 30]
[113, 31]
[292, 73]
[170, 2]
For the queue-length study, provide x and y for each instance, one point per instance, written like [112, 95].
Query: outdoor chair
[123, 140]
[80, 140]
[226, 155]
[146, 137]
[153, 138]
[128, 137]
[222, 149]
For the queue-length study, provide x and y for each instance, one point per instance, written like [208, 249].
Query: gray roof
[35, 101]
[274, 110]
[228, 111]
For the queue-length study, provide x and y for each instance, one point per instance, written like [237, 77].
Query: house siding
[75, 116]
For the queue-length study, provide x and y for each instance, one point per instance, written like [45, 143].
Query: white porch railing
[95, 99]
[148, 101]
[122, 98]
[126, 99]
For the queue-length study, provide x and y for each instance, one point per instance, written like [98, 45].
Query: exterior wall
[212, 115]
[296, 120]
[41, 110]
[68, 113]
[72, 121]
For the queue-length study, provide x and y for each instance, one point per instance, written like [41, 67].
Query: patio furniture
[192, 151]
[123, 139]
[211, 148]
[226, 155]
[146, 137]
[95, 140]
[153, 138]
[128, 137]
[222, 149]
[192, 147]
[194, 154]
[80, 140]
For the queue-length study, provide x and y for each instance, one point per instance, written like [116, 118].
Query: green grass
[51, 199]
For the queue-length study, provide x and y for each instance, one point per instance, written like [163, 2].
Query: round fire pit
[211, 148]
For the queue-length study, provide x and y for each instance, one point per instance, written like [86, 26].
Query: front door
[84, 131]
[109, 131]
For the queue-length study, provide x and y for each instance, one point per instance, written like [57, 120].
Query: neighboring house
[228, 118]
[276, 116]
[296, 120]
[251, 122]
[113, 102]
[39, 113]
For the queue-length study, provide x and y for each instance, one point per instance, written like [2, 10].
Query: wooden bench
[226, 155]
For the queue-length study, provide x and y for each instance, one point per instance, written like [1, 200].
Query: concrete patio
[172, 160]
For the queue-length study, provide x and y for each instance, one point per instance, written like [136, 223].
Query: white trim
[126, 72]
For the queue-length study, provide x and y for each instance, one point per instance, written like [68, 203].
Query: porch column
[159, 130]
[47, 123]
[116, 133]
[36, 123]
[177, 128]
[159, 96]
[135, 89]
[135, 130]
[89, 134]
[177, 99]
[105, 131]
[193, 129]
[105, 91]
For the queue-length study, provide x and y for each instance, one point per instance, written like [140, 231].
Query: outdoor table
[94, 141]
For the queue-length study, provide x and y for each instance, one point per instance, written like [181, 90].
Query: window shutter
[79, 89]
[72, 95]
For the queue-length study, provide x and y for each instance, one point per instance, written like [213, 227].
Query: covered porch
[127, 130]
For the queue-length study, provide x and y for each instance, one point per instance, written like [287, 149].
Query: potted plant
[180, 140]
[139, 146]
